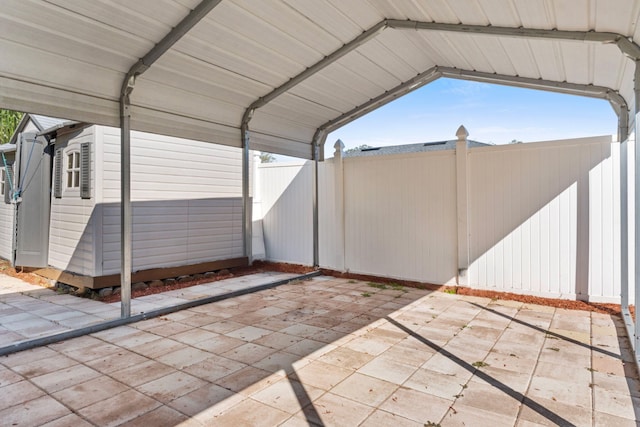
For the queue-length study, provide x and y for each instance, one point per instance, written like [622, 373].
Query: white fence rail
[541, 218]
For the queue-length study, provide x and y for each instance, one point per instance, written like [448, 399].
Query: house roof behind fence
[410, 148]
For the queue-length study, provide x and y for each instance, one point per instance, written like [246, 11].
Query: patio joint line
[75, 333]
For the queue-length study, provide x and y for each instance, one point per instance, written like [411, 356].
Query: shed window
[73, 169]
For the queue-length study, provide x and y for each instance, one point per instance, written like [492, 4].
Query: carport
[279, 76]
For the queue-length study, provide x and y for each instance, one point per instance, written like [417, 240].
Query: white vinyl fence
[537, 218]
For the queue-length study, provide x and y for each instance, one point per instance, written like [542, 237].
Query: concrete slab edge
[630, 328]
[75, 333]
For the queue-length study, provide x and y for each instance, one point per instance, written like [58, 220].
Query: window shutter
[85, 170]
[8, 183]
[57, 178]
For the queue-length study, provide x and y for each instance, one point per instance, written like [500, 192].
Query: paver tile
[41, 367]
[67, 421]
[183, 357]
[160, 417]
[462, 415]
[62, 379]
[365, 389]
[384, 418]
[248, 380]
[248, 353]
[87, 393]
[250, 413]
[214, 367]
[334, 410]
[18, 393]
[288, 395]
[618, 404]
[417, 406]
[388, 369]
[201, 399]
[321, 375]
[136, 375]
[34, 412]
[172, 386]
[119, 408]
[346, 358]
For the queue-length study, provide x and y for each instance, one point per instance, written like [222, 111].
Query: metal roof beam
[591, 91]
[617, 101]
[382, 99]
[625, 45]
[126, 211]
[324, 62]
[169, 40]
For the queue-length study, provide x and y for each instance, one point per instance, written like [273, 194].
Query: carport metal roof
[292, 67]
[280, 74]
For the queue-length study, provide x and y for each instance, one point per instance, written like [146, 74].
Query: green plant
[479, 364]
[396, 287]
[377, 285]
[366, 294]
[431, 424]
[352, 281]
[451, 291]
[554, 348]
[9, 121]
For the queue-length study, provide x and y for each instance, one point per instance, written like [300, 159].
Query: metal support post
[125, 201]
[624, 227]
[316, 231]
[636, 284]
[246, 199]
[143, 64]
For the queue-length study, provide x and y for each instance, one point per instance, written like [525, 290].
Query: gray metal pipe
[126, 211]
[636, 337]
[316, 225]
[247, 220]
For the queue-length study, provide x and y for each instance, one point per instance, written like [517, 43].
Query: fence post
[462, 187]
[338, 165]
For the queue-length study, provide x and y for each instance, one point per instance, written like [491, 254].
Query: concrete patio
[334, 352]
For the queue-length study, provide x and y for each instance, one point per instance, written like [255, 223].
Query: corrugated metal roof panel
[68, 57]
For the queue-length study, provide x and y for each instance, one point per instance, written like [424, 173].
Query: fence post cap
[462, 133]
[339, 146]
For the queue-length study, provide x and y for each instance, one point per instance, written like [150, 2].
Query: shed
[186, 195]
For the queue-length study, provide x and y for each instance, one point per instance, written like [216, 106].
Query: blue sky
[491, 113]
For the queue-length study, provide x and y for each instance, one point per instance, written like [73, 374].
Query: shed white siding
[73, 232]
[6, 218]
[187, 201]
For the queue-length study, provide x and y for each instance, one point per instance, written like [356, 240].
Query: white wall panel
[400, 216]
[287, 212]
[545, 218]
